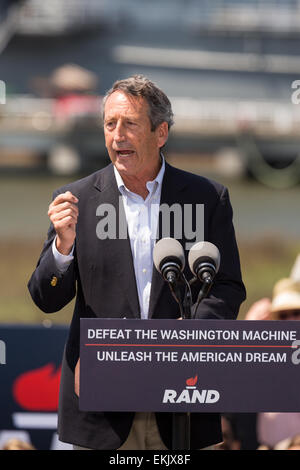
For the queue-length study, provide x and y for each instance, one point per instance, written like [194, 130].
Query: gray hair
[160, 109]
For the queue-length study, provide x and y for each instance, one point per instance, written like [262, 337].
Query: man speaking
[112, 276]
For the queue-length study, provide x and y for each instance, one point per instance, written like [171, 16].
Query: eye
[109, 125]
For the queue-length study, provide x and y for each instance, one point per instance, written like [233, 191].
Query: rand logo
[2, 92]
[2, 352]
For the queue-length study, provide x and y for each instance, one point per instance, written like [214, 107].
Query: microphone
[204, 261]
[168, 258]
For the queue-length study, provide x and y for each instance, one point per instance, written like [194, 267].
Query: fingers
[69, 212]
[63, 213]
[65, 223]
[67, 196]
[64, 206]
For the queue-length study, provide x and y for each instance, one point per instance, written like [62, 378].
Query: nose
[119, 135]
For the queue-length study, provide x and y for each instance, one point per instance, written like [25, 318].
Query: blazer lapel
[119, 249]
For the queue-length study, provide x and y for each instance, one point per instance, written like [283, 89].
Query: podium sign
[189, 365]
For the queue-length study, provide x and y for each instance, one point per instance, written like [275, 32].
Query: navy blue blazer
[101, 290]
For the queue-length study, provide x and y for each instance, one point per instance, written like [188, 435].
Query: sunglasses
[288, 314]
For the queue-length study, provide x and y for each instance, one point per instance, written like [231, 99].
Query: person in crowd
[17, 444]
[273, 428]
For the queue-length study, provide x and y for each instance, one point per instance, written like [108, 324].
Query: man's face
[132, 146]
[289, 314]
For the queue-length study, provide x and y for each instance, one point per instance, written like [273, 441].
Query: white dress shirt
[142, 219]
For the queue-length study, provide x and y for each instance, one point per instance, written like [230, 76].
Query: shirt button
[144, 270]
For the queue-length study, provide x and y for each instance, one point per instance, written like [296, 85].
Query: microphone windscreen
[168, 248]
[204, 250]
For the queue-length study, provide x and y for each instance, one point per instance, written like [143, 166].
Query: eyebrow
[125, 118]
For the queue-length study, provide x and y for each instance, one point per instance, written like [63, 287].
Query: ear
[162, 133]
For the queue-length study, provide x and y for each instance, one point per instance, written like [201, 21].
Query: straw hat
[286, 292]
[295, 272]
[286, 295]
[72, 76]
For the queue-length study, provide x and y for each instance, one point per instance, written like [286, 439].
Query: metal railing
[281, 16]
[191, 116]
[56, 16]
[268, 16]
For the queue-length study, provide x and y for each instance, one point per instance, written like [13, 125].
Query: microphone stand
[171, 268]
[185, 304]
[181, 422]
[207, 283]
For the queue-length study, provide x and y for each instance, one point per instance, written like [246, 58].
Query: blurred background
[232, 71]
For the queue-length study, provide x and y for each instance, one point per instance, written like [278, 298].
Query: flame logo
[192, 381]
[37, 390]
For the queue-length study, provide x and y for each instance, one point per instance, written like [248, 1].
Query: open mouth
[125, 153]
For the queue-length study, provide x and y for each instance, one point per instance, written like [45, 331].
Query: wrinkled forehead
[123, 103]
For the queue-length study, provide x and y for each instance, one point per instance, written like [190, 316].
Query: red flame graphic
[37, 390]
[192, 381]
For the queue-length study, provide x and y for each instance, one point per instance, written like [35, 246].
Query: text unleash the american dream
[195, 345]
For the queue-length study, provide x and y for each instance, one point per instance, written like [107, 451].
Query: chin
[128, 166]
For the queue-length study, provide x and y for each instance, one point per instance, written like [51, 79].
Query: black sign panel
[189, 365]
[30, 367]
